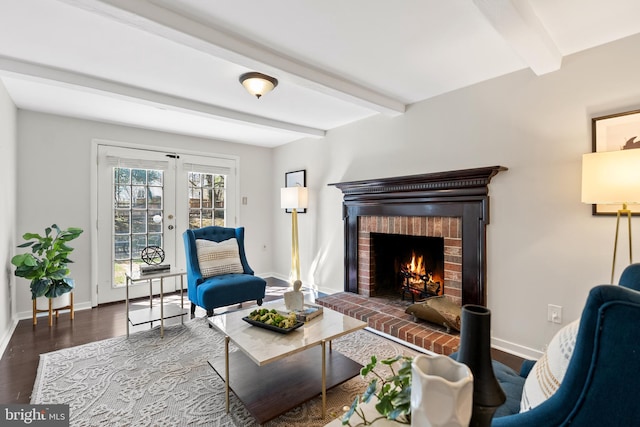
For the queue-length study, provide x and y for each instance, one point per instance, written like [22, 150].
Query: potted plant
[392, 392]
[46, 265]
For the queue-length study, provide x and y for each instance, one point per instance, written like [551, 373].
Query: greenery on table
[46, 265]
[393, 392]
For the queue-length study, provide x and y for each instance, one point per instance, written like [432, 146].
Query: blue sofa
[603, 376]
[219, 291]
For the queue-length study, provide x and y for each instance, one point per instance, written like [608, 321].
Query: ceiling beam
[152, 18]
[18, 68]
[518, 24]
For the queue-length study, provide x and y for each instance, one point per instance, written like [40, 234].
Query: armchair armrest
[526, 367]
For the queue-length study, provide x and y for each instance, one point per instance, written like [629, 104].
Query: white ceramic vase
[441, 392]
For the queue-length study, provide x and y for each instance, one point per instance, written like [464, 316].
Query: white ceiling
[173, 65]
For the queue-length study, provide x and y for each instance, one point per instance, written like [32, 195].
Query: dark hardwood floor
[19, 363]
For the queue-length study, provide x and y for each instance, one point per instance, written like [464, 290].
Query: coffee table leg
[324, 378]
[226, 370]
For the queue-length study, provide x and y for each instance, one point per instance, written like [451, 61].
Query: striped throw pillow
[217, 258]
[548, 372]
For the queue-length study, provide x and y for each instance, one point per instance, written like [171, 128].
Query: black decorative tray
[271, 327]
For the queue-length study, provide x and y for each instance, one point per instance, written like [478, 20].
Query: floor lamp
[294, 198]
[613, 177]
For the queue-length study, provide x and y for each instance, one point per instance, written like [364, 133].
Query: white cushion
[548, 372]
[217, 258]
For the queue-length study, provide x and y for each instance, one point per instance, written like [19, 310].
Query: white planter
[64, 300]
[441, 392]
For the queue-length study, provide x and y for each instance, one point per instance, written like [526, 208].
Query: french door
[149, 198]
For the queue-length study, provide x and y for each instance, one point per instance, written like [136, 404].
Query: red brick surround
[392, 320]
[449, 228]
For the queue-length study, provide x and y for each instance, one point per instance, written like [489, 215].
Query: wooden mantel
[461, 193]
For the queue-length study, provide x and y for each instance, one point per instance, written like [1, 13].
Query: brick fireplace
[447, 228]
[453, 205]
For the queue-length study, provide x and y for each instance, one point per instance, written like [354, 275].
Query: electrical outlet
[554, 313]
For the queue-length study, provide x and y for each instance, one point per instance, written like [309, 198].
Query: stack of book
[156, 268]
[308, 312]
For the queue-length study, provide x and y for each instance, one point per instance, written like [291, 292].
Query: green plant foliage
[46, 265]
[392, 391]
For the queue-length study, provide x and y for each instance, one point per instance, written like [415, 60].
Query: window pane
[152, 226]
[155, 178]
[120, 268]
[206, 191]
[122, 194]
[155, 240]
[138, 242]
[138, 176]
[219, 217]
[121, 175]
[207, 196]
[138, 198]
[155, 198]
[194, 218]
[121, 247]
[219, 198]
[121, 221]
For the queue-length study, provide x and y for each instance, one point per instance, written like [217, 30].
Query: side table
[161, 312]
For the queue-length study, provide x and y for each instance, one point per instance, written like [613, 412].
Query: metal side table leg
[324, 378]
[226, 371]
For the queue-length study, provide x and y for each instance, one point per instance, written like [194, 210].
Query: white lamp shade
[293, 198]
[611, 177]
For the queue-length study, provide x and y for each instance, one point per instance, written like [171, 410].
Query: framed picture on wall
[296, 179]
[619, 131]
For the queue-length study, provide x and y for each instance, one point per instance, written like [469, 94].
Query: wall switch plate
[554, 313]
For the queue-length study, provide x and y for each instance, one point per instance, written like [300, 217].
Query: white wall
[54, 163]
[544, 246]
[8, 141]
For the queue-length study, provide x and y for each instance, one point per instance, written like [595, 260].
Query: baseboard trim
[516, 349]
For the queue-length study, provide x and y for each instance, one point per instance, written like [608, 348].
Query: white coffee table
[273, 373]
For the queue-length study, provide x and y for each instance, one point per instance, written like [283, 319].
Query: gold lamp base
[627, 212]
[295, 256]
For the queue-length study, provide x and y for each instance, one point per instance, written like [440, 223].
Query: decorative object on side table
[475, 352]
[153, 256]
[392, 393]
[441, 392]
[46, 267]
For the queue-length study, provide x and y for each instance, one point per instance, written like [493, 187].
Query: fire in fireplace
[408, 266]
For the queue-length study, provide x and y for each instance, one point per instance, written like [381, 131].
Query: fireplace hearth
[450, 206]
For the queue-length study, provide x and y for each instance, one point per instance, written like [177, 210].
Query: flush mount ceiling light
[258, 84]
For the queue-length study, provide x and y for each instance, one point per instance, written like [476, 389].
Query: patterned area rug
[148, 381]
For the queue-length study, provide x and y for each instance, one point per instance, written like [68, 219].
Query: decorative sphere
[152, 255]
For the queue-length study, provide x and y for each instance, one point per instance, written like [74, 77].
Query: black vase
[475, 352]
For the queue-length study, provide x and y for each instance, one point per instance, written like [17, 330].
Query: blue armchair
[603, 376]
[227, 289]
